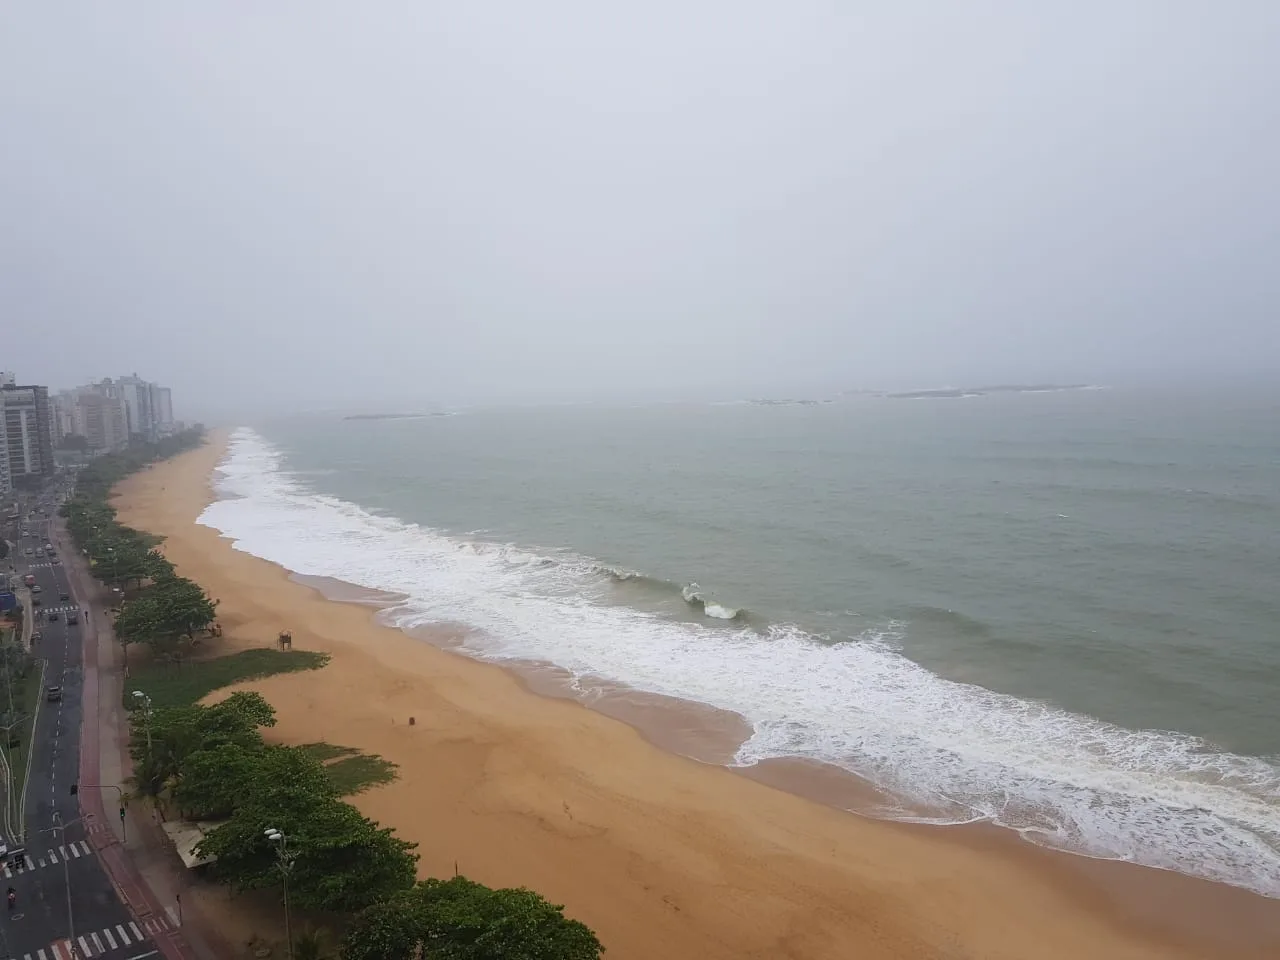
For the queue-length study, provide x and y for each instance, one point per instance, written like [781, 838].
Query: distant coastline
[393, 416]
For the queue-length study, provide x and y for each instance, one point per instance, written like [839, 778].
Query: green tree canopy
[341, 860]
[459, 919]
[178, 733]
[166, 614]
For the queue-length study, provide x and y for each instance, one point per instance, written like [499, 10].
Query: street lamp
[284, 859]
[60, 829]
[143, 699]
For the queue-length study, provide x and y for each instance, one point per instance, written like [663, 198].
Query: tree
[343, 861]
[459, 919]
[347, 862]
[165, 615]
[179, 733]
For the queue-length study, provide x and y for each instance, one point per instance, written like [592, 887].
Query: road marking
[85, 947]
[143, 956]
[97, 943]
[124, 936]
[136, 932]
[40, 953]
[110, 939]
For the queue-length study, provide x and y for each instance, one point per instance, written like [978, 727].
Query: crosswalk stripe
[110, 939]
[85, 846]
[53, 857]
[74, 851]
[136, 932]
[96, 942]
[124, 935]
[85, 947]
[41, 954]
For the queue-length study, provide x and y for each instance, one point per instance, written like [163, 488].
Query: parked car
[73, 618]
[53, 694]
[53, 615]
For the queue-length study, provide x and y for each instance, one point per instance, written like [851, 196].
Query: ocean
[1054, 611]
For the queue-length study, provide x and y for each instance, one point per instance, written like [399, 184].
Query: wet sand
[506, 775]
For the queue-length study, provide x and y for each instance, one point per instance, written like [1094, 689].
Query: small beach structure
[285, 640]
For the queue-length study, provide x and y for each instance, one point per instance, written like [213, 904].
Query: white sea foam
[693, 596]
[1153, 797]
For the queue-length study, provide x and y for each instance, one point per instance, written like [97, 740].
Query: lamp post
[284, 859]
[60, 829]
[143, 699]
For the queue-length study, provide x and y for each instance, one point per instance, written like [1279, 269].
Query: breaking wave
[957, 751]
[692, 594]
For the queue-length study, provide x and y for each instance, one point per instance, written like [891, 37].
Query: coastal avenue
[63, 888]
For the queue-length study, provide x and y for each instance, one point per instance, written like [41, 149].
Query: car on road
[54, 560]
[37, 589]
[53, 615]
[64, 597]
[36, 637]
[53, 694]
[73, 618]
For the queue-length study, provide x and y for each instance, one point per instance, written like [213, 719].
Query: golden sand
[663, 856]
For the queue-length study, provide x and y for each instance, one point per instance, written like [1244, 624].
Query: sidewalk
[144, 869]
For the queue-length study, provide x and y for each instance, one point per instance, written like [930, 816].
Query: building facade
[28, 437]
[101, 415]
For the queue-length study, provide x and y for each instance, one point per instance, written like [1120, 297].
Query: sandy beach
[662, 855]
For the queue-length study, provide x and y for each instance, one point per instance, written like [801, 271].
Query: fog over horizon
[291, 207]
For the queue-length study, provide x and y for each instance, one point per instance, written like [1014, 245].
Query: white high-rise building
[162, 407]
[102, 416]
[137, 404]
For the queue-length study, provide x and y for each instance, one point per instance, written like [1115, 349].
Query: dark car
[53, 694]
[64, 597]
[53, 615]
[73, 618]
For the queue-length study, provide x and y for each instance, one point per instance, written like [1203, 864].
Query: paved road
[44, 921]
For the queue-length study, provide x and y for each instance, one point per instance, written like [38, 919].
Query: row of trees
[213, 763]
[160, 608]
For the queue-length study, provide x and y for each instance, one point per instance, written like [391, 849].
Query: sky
[317, 205]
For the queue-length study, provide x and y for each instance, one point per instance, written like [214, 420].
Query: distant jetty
[394, 416]
[952, 393]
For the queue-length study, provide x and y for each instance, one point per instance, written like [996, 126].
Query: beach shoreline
[512, 780]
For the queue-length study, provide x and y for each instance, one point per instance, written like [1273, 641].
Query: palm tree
[312, 945]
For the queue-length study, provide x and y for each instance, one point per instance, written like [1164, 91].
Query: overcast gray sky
[290, 206]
